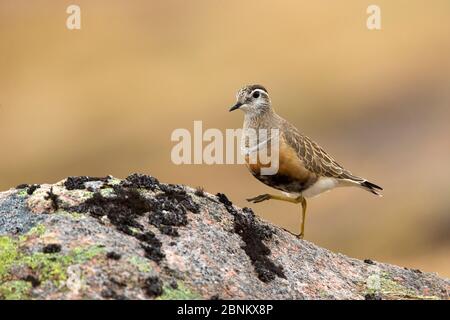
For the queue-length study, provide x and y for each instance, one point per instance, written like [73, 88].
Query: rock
[105, 238]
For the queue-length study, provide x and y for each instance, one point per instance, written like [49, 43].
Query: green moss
[72, 215]
[142, 264]
[22, 193]
[114, 181]
[37, 231]
[15, 290]
[84, 195]
[107, 192]
[8, 254]
[323, 294]
[181, 293]
[48, 266]
[9, 248]
[134, 230]
[53, 266]
[383, 285]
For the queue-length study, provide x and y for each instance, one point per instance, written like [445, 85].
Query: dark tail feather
[369, 186]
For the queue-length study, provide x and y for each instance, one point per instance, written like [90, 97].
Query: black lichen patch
[123, 210]
[117, 282]
[114, 289]
[253, 234]
[153, 287]
[167, 215]
[166, 211]
[32, 189]
[169, 209]
[52, 248]
[53, 198]
[169, 230]
[109, 293]
[413, 270]
[173, 284]
[35, 282]
[178, 195]
[372, 296]
[78, 183]
[113, 255]
[143, 181]
[225, 201]
[151, 245]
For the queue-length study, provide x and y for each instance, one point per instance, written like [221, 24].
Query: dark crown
[256, 86]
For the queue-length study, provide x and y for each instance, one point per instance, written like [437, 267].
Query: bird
[305, 169]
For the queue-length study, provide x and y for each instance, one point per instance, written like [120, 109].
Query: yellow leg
[266, 196]
[299, 199]
[302, 227]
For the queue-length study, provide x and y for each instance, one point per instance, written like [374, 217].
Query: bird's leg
[302, 227]
[299, 199]
[266, 196]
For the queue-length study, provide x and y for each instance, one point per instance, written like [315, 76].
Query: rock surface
[104, 238]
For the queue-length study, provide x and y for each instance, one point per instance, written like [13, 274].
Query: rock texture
[104, 238]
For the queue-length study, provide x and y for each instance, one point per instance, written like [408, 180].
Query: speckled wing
[314, 158]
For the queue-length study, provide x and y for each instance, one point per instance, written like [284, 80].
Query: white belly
[324, 184]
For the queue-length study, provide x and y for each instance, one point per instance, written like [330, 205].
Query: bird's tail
[371, 187]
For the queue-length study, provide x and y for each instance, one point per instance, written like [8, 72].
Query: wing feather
[314, 157]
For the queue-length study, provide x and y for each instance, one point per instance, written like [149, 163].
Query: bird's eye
[256, 95]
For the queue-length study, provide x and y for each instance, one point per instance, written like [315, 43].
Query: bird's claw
[298, 236]
[259, 198]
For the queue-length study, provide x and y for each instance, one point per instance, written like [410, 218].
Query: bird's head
[253, 100]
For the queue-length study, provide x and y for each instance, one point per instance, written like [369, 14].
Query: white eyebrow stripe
[259, 90]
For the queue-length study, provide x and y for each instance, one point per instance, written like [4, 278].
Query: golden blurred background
[105, 100]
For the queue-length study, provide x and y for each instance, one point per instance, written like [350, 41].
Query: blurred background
[105, 100]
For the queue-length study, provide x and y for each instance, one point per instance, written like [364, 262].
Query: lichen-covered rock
[105, 238]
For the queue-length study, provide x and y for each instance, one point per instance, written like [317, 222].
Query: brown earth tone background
[105, 99]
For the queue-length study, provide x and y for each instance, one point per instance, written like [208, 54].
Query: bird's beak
[236, 106]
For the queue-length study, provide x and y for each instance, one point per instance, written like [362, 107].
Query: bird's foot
[260, 198]
[299, 236]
